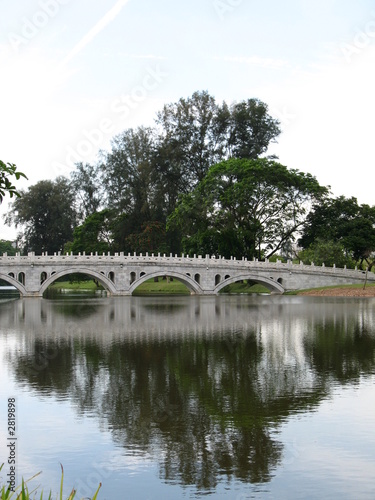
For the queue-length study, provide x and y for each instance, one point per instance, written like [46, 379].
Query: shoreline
[369, 291]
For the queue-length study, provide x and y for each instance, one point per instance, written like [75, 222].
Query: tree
[193, 134]
[6, 246]
[326, 252]
[342, 220]
[126, 172]
[251, 129]
[148, 169]
[94, 234]
[8, 170]
[46, 214]
[85, 181]
[134, 188]
[152, 239]
[245, 207]
[197, 133]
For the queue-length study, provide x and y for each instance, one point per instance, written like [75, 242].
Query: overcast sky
[74, 73]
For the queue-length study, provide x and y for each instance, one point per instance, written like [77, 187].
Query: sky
[75, 73]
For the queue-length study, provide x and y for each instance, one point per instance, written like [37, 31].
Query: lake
[186, 397]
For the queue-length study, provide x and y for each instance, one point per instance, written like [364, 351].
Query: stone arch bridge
[121, 274]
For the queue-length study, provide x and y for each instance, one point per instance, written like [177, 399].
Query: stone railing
[121, 258]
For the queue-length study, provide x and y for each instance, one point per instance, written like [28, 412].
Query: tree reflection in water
[204, 401]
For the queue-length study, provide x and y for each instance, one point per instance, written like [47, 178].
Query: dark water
[183, 397]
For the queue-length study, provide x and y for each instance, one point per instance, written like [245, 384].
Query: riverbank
[343, 291]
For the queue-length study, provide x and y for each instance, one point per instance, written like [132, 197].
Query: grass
[76, 285]
[22, 492]
[162, 287]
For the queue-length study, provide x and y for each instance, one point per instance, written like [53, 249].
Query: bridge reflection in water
[199, 385]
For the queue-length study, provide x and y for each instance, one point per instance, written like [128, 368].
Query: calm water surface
[181, 397]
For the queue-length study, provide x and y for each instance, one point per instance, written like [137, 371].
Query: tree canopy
[198, 181]
[46, 213]
[93, 235]
[196, 133]
[7, 246]
[245, 207]
[345, 221]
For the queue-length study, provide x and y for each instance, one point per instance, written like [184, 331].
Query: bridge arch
[191, 284]
[272, 285]
[13, 282]
[102, 278]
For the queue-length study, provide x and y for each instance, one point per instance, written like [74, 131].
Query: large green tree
[95, 234]
[196, 133]
[345, 221]
[327, 252]
[245, 207]
[126, 172]
[193, 137]
[135, 189]
[46, 215]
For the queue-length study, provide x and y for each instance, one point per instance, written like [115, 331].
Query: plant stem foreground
[22, 492]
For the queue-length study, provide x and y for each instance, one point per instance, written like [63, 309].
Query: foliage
[126, 172]
[326, 252]
[152, 239]
[142, 177]
[251, 129]
[6, 246]
[7, 171]
[193, 133]
[85, 182]
[25, 494]
[46, 214]
[245, 208]
[342, 220]
[197, 133]
[148, 169]
[198, 182]
[93, 235]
